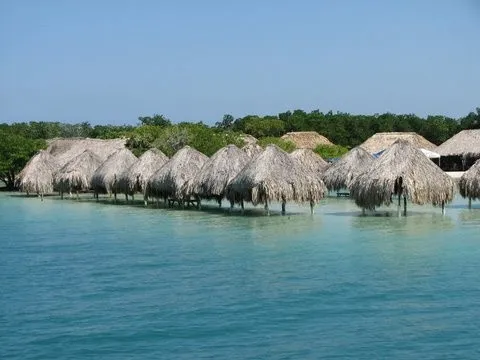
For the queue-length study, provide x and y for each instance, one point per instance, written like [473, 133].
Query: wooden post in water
[133, 197]
[61, 194]
[443, 207]
[312, 206]
[469, 202]
[78, 196]
[404, 206]
[283, 207]
[232, 204]
[399, 206]
[267, 211]
[243, 207]
[219, 200]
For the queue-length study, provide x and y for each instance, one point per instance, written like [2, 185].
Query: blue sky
[112, 61]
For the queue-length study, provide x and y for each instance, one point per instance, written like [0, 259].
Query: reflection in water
[470, 217]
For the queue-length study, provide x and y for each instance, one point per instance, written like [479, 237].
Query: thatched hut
[383, 140]
[136, 177]
[275, 176]
[38, 175]
[252, 150]
[460, 151]
[212, 180]
[171, 179]
[105, 178]
[306, 139]
[77, 173]
[469, 183]
[64, 150]
[402, 170]
[340, 174]
[310, 160]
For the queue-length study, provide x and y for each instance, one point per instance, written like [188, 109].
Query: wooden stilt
[398, 206]
[267, 210]
[232, 204]
[283, 207]
[219, 202]
[404, 206]
[133, 198]
[41, 196]
[443, 207]
[199, 203]
[61, 195]
[78, 196]
[126, 197]
[312, 207]
[469, 202]
[115, 196]
[242, 207]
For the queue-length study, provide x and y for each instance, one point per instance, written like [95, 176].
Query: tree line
[20, 141]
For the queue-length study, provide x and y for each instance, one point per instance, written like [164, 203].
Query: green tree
[226, 123]
[155, 120]
[15, 151]
[330, 151]
[285, 145]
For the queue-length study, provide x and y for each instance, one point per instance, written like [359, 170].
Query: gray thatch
[38, 175]
[383, 140]
[105, 178]
[306, 139]
[252, 150]
[64, 150]
[171, 179]
[217, 172]
[465, 143]
[312, 161]
[402, 170]
[470, 182]
[77, 173]
[275, 176]
[136, 177]
[341, 173]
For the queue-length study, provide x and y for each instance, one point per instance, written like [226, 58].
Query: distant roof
[383, 140]
[306, 139]
[466, 142]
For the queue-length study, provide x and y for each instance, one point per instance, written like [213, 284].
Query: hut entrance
[398, 190]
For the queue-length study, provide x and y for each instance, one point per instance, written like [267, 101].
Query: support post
[243, 207]
[404, 206]
[312, 206]
[399, 206]
[199, 203]
[133, 197]
[78, 196]
[469, 202]
[443, 207]
[61, 195]
[267, 211]
[283, 207]
[232, 204]
[219, 200]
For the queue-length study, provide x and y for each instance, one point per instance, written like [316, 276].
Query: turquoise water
[95, 281]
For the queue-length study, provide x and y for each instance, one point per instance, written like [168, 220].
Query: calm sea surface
[96, 281]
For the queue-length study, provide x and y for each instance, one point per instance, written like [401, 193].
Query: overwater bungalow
[381, 141]
[469, 183]
[76, 175]
[38, 175]
[135, 178]
[170, 181]
[402, 171]
[275, 176]
[339, 175]
[460, 151]
[310, 160]
[64, 150]
[105, 178]
[212, 180]
[306, 139]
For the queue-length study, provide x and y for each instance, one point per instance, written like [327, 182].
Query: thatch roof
[340, 174]
[105, 178]
[405, 170]
[470, 182]
[275, 176]
[217, 172]
[77, 173]
[136, 177]
[171, 178]
[252, 150]
[383, 140]
[306, 139]
[465, 143]
[65, 150]
[38, 175]
[312, 161]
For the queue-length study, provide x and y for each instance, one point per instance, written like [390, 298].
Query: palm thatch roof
[171, 179]
[65, 150]
[383, 140]
[470, 182]
[306, 139]
[312, 161]
[340, 174]
[402, 170]
[217, 172]
[105, 178]
[38, 175]
[252, 150]
[136, 177]
[275, 176]
[465, 143]
[77, 173]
